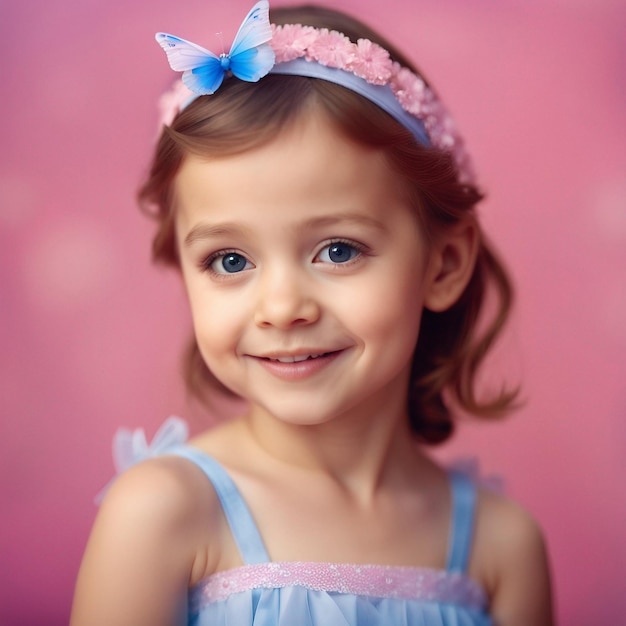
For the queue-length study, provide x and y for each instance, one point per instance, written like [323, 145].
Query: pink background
[91, 332]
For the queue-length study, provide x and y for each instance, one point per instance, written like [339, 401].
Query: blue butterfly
[250, 57]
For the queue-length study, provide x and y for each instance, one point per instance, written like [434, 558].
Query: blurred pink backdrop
[91, 332]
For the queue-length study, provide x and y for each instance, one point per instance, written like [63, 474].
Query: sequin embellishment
[378, 581]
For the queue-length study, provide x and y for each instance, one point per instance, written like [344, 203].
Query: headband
[261, 48]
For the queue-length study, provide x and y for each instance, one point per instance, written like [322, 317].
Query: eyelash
[360, 249]
[206, 264]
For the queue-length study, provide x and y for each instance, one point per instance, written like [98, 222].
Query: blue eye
[338, 252]
[228, 263]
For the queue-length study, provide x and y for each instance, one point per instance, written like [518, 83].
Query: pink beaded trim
[378, 581]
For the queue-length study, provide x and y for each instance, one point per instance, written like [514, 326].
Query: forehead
[308, 164]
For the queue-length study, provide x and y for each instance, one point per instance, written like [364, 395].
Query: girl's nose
[285, 300]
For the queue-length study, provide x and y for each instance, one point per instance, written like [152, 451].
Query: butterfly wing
[203, 72]
[254, 30]
[253, 64]
[251, 57]
[182, 54]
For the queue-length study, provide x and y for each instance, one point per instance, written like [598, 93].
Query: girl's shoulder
[150, 538]
[165, 502]
[505, 527]
[165, 486]
[156, 485]
[510, 558]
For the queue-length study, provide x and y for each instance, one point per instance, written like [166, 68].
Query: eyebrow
[206, 230]
[341, 218]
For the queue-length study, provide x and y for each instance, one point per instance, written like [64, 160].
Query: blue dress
[265, 593]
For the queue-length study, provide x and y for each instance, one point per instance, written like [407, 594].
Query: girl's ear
[451, 265]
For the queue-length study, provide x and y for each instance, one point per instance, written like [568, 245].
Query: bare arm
[520, 578]
[137, 564]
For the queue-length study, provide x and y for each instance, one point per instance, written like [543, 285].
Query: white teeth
[295, 359]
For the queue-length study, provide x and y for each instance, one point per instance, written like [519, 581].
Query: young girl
[317, 200]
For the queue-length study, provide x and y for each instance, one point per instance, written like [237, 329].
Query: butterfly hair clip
[250, 57]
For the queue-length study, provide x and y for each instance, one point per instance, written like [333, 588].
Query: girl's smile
[306, 273]
[299, 366]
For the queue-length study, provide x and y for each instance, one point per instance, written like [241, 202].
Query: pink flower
[290, 41]
[172, 101]
[371, 62]
[331, 48]
[410, 90]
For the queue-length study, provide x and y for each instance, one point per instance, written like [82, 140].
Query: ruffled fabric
[295, 606]
[131, 446]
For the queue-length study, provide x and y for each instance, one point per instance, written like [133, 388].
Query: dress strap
[462, 523]
[240, 520]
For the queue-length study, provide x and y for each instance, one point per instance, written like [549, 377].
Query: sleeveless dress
[265, 593]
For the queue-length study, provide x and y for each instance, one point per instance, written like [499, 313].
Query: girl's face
[306, 272]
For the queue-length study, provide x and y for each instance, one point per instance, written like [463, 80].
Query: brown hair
[242, 115]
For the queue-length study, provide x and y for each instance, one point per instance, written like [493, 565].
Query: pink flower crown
[364, 67]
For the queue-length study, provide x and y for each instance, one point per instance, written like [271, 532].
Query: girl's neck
[360, 452]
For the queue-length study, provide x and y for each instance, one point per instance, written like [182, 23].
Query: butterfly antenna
[220, 36]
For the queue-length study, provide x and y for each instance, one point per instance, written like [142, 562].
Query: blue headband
[261, 48]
